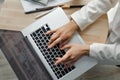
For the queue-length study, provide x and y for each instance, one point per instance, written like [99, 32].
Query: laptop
[29, 57]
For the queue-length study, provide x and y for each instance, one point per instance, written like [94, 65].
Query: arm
[91, 12]
[101, 52]
[81, 18]
[106, 53]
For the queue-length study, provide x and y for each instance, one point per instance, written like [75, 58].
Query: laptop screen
[22, 58]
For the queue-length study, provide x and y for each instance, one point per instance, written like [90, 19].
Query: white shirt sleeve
[106, 53]
[87, 15]
[91, 12]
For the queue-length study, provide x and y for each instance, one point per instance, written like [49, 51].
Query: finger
[64, 43]
[57, 58]
[70, 62]
[63, 59]
[50, 32]
[53, 38]
[52, 44]
[65, 47]
[69, 65]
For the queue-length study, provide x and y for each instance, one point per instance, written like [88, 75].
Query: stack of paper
[34, 6]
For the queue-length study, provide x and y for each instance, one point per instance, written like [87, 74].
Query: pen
[40, 9]
[51, 7]
[64, 7]
[71, 6]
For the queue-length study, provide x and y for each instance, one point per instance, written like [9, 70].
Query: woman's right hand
[62, 35]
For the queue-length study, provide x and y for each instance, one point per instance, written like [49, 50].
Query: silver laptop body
[56, 19]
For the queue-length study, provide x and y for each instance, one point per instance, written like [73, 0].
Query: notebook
[28, 54]
[30, 6]
[41, 1]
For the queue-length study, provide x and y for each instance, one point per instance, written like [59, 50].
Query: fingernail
[61, 48]
[49, 46]
[47, 31]
[56, 63]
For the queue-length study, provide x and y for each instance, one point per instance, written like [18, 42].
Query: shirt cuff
[80, 22]
[95, 49]
[105, 53]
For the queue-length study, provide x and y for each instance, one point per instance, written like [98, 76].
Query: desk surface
[12, 17]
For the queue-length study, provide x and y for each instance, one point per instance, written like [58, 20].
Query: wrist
[75, 26]
[86, 50]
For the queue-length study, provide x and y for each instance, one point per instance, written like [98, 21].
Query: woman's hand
[62, 35]
[75, 52]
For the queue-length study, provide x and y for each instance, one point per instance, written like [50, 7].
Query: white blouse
[105, 53]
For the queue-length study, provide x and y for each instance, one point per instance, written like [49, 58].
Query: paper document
[33, 6]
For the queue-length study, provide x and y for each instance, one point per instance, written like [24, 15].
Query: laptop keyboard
[41, 41]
